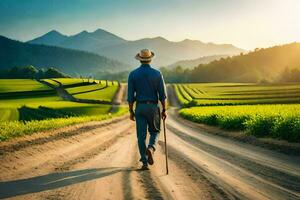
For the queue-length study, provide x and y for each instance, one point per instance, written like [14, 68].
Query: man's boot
[149, 153]
[145, 166]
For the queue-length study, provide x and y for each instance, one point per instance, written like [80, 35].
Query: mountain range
[112, 46]
[18, 54]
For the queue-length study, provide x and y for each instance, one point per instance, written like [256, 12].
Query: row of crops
[277, 121]
[262, 110]
[209, 94]
[11, 129]
[99, 91]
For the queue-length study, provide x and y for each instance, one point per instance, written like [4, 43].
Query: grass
[70, 81]
[205, 94]
[21, 85]
[105, 94]
[73, 107]
[277, 121]
[95, 91]
[85, 88]
[52, 82]
[9, 114]
[9, 107]
[12, 129]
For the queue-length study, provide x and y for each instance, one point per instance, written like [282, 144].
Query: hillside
[167, 52]
[269, 64]
[73, 62]
[195, 62]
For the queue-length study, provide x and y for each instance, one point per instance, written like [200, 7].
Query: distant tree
[120, 76]
[4, 73]
[29, 72]
[40, 74]
[290, 75]
[54, 73]
[32, 73]
[81, 77]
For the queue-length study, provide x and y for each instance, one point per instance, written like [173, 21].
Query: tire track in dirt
[93, 152]
[218, 177]
[198, 175]
[151, 187]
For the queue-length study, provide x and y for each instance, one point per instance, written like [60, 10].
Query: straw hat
[144, 55]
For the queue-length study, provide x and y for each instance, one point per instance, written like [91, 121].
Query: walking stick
[166, 150]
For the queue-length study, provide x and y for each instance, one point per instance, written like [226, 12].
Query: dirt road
[99, 160]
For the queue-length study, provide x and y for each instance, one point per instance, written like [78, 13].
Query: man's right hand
[132, 116]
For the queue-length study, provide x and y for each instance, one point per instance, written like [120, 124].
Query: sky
[246, 24]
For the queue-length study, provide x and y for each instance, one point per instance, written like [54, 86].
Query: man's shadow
[54, 180]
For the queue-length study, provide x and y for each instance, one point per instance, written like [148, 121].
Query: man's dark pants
[147, 116]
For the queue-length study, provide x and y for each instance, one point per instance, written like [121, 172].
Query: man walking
[146, 87]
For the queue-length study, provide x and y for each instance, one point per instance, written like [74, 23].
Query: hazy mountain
[53, 38]
[82, 41]
[167, 52]
[196, 62]
[278, 63]
[14, 53]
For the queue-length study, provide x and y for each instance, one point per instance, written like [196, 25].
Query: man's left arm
[131, 96]
[162, 96]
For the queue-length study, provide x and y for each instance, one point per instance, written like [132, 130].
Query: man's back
[146, 84]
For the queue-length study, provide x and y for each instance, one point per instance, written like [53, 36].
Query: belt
[148, 102]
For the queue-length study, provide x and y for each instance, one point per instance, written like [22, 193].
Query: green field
[8, 114]
[39, 106]
[207, 94]
[70, 81]
[9, 108]
[103, 95]
[27, 97]
[236, 106]
[52, 82]
[21, 85]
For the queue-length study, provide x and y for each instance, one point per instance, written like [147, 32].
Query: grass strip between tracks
[12, 129]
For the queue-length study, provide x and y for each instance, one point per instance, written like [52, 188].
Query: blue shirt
[146, 84]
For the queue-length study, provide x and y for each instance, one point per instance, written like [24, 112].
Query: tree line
[184, 75]
[30, 72]
[275, 64]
